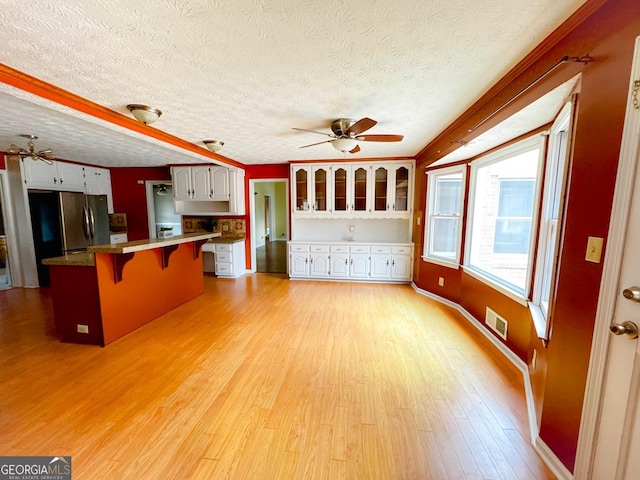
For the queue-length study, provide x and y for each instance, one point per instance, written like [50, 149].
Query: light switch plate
[594, 249]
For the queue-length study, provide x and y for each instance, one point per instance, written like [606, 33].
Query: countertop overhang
[150, 243]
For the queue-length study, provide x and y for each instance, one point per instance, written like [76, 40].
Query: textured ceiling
[246, 71]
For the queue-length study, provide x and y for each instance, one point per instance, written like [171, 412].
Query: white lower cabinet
[228, 259]
[348, 261]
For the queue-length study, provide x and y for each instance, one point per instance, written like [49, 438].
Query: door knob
[632, 293]
[625, 328]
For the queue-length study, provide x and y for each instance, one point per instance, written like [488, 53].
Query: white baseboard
[541, 448]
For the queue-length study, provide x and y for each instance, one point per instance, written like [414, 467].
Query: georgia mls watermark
[35, 468]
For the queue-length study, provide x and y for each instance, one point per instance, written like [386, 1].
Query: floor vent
[496, 323]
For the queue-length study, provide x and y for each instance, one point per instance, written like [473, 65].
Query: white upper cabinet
[200, 183]
[353, 190]
[54, 176]
[208, 189]
[98, 182]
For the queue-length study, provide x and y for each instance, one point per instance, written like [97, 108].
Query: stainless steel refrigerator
[66, 222]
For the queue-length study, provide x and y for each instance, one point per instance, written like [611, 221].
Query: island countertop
[150, 243]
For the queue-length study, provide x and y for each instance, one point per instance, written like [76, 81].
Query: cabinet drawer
[338, 248]
[403, 250]
[319, 248]
[223, 257]
[209, 247]
[380, 249]
[359, 249]
[223, 247]
[224, 269]
[298, 248]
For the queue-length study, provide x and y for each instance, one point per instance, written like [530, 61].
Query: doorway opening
[160, 209]
[5, 274]
[269, 225]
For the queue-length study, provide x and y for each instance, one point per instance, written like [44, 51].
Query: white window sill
[442, 263]
[513, 295]
[539, 321]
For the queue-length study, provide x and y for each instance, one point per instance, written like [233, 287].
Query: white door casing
[609, 440]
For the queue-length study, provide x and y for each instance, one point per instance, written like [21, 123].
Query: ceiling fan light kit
[43, 155]
[346, 134]
[213, 145]
[144, 113]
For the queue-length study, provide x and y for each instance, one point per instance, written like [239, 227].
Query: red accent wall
[253, 172]
[2, 165]
[130, 197]
[559, 378]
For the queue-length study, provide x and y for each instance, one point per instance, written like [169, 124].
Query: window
[552, 204]
[500, 236]
[444, 208]
[515, 209]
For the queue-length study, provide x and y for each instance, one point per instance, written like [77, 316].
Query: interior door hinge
[636, 89]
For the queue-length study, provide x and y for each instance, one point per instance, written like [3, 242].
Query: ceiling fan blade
[355, 149]
[16, 150]
[380, 138]
[44, 152]
[48, 155]
[312, 131]
[45, 160]
[360, 126]
[319, 143]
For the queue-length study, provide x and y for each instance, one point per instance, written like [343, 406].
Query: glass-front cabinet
[358, 190]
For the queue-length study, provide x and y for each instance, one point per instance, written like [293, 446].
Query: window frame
[523, 146]
[432, 178]
[559, 143]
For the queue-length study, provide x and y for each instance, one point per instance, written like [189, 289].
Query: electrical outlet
[82, 328]
[441, 281]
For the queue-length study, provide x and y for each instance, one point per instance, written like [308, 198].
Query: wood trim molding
[623, 193]
[510, 83]
[40, 88]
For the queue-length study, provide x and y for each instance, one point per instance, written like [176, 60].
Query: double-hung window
[444, 211]
[552, 205]
[503, 201]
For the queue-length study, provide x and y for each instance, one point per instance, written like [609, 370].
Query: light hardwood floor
[266, 378]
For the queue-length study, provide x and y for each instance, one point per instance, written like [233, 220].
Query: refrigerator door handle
[85, 222]
[92, 223]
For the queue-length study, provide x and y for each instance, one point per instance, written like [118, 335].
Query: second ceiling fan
[347, 133]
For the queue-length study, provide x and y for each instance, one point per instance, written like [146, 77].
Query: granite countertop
[151, 243]
[227, 239]
[80, 259]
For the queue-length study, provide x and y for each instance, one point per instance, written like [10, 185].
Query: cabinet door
[401, 267]
[181, 179]
[299, 264]
[200, 186]
[339, 264]
[340, 185]
[319, 265]
[380, 188]
[38, 174]
[399, 189]
[219, 183]
[380, 266]
[236, 191]
[70, 177]
[360, 202]
[301, 188]
[320, 184]
[359, 265]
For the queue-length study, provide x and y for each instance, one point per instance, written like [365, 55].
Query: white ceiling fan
[43, 155]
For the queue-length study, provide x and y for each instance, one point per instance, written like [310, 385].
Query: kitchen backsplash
[228, 227]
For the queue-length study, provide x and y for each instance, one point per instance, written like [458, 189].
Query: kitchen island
[110, 290]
